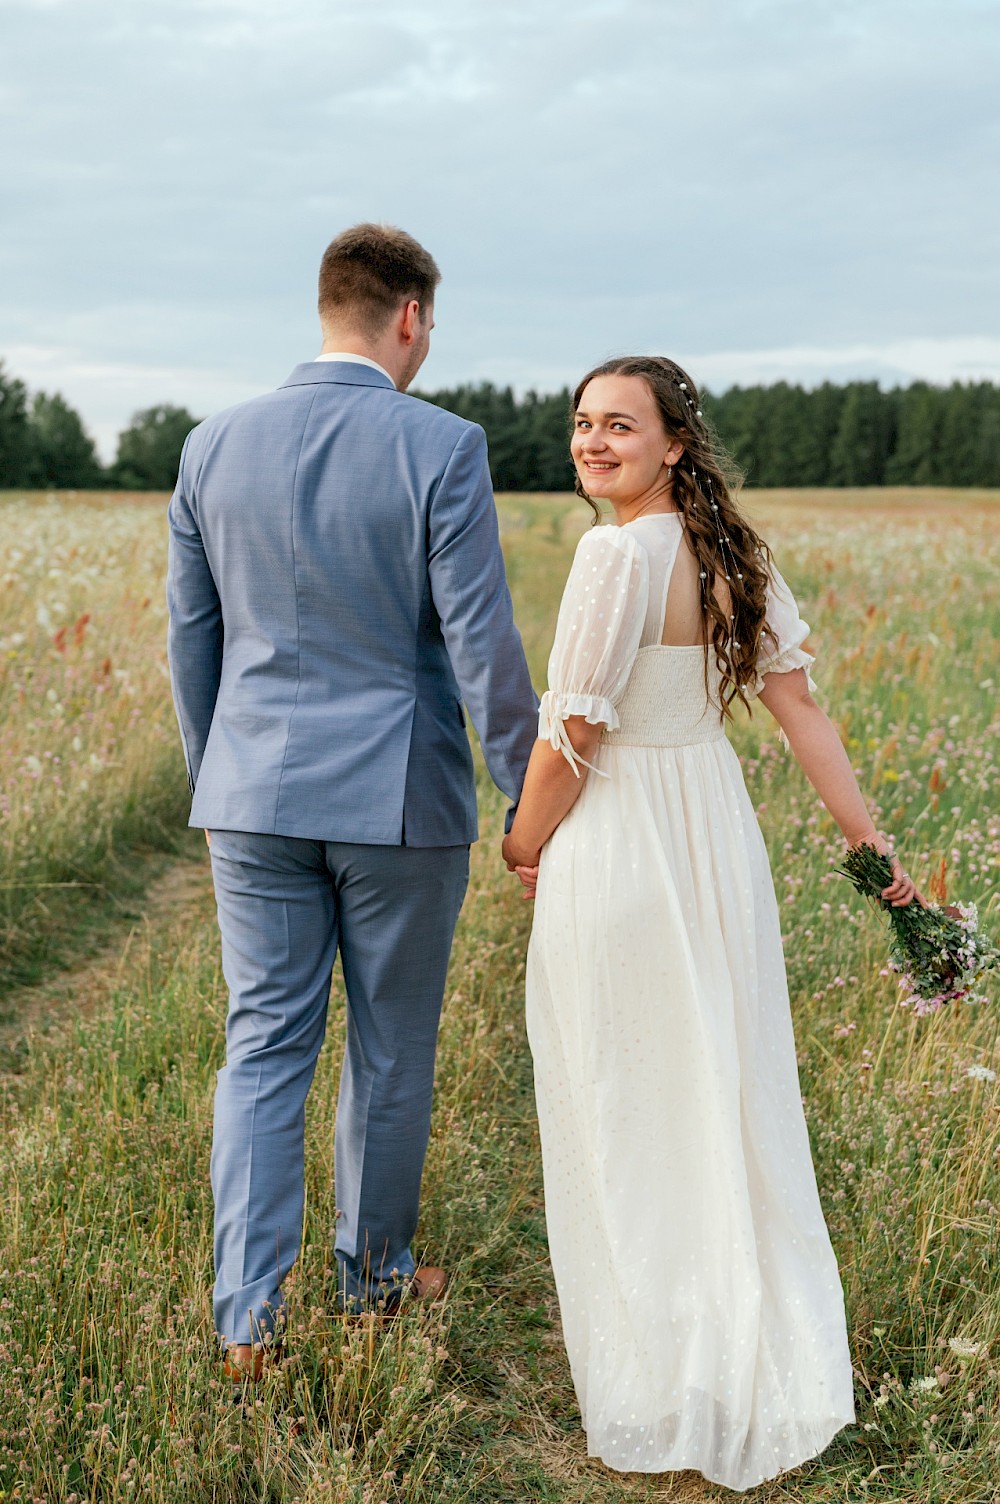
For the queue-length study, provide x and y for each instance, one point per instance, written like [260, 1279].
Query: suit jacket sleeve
[194, 634]
[469, 589]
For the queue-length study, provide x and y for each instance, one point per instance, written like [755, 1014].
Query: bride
[700, 1299]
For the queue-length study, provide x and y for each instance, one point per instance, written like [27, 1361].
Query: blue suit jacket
[336, 590]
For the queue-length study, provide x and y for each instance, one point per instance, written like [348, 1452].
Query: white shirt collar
[358, 360]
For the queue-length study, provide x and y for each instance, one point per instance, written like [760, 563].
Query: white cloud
[791, 189]
[896, 362]
[109, 392]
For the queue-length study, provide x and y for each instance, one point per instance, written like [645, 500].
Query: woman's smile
[619, 445]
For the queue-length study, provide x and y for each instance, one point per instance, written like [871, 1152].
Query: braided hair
[732, 559]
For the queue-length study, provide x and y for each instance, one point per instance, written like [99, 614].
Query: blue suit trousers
[286, 905]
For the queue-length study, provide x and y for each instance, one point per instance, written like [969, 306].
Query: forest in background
[780, 435]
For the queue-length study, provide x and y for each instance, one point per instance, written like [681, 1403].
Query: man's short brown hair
[368, 271]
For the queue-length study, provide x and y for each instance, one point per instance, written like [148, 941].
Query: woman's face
[620, 448]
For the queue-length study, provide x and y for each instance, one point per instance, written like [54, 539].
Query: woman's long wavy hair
[728, 551]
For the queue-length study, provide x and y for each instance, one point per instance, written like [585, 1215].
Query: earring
[670, 472]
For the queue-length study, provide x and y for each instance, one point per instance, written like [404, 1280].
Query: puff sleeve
[783, 651]
[600, 624]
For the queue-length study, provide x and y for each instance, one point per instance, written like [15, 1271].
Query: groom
[336, 591]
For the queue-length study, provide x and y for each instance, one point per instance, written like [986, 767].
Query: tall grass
[89, 763]
[108, 1384]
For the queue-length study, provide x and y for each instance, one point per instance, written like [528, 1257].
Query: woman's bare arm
[818, 750]
[551, 788]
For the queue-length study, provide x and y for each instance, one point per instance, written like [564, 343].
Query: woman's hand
[902, 890]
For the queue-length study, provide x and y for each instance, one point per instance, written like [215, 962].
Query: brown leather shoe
[428, 1283]
[243, 1363]
[425, 1284]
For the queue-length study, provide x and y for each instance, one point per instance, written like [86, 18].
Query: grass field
[108, 1387]
[88, 757]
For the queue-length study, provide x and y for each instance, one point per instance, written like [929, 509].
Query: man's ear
[410, 321]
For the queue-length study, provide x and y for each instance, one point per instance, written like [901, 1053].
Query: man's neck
[381, 352]
[349, 355]
[349, 345]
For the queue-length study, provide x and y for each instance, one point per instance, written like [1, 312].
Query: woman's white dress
[700, 1299]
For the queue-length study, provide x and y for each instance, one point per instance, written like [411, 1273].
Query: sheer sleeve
[597, 635]
[782, 651]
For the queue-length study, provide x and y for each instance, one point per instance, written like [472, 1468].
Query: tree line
[779, 435]
[44, 445]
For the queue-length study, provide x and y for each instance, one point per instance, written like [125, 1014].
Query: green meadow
[111, 1011]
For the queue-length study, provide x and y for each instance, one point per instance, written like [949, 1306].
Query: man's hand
[523, 863]
[515, 854]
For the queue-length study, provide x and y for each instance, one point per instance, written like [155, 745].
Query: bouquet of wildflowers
[938, 951]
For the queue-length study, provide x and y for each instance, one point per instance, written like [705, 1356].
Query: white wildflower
[924, 1386]
[963, 1348]
[980, 1073]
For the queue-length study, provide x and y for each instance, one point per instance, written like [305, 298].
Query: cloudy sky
[761, 188]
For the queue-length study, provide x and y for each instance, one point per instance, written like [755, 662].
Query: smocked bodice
[664, 702]
[608, 663]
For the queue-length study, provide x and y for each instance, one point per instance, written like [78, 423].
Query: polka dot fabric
[601, 621]
[700, 1299]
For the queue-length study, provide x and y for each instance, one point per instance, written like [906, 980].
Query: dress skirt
[700, 1299]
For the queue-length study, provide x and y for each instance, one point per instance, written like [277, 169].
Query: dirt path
[26, 1012]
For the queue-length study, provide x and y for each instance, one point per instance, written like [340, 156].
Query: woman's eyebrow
[581, 414]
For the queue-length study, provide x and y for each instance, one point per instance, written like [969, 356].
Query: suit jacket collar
[346, 372]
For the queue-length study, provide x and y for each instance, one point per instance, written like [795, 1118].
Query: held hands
[523, 863]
